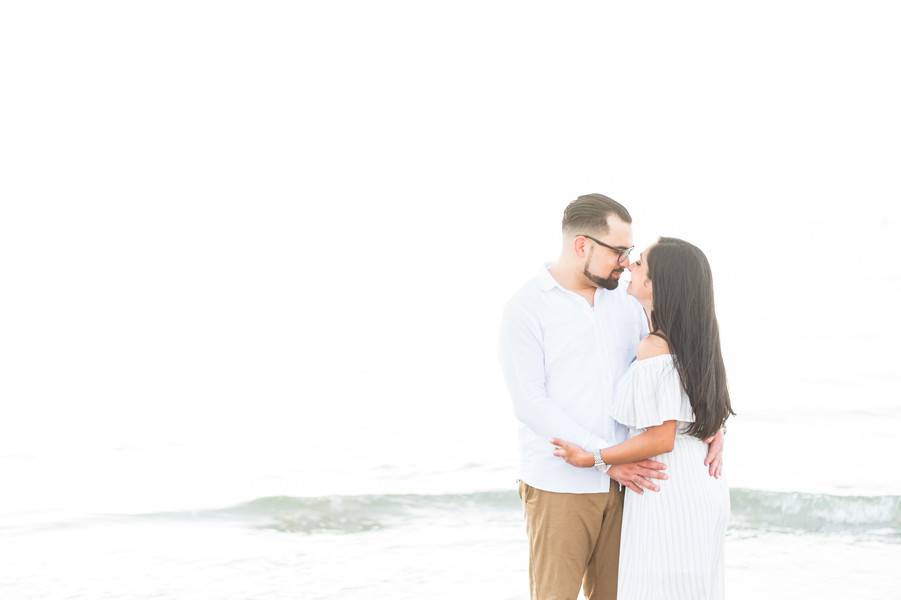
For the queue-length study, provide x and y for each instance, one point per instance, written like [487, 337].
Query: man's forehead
[619, 232]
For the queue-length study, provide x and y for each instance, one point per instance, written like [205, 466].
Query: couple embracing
[622, 401]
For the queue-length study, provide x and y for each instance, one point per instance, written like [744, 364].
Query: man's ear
[579, 246]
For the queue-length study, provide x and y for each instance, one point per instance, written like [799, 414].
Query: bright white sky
[302, 219]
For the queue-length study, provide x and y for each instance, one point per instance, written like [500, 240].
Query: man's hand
[638, 475]
[714, 460]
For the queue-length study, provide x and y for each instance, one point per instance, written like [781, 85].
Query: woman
[673, 397]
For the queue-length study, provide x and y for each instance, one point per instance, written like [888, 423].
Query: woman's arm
[651, 442]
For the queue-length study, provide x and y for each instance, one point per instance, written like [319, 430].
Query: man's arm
[522, 361]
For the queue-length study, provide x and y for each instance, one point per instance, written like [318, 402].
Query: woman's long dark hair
[684, 313]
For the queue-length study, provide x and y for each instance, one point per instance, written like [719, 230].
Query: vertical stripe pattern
[672, 540]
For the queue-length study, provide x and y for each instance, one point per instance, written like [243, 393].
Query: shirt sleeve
[652, 395]
[522, 361]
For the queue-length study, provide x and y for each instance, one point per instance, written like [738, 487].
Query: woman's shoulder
[651, 346]
[650, 392]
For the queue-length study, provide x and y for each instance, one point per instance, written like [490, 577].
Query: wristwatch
[599, 463]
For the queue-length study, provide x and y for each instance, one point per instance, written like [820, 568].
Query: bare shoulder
[650, 346]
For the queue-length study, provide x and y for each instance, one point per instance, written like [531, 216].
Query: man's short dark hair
[589, 213]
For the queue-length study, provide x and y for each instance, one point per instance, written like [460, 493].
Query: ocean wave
[754, 510]
[878, 516]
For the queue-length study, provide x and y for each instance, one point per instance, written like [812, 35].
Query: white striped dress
[672, 540]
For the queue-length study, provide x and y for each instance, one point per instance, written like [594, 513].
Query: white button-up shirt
[561, 359]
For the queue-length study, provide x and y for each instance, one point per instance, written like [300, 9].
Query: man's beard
[608, 283]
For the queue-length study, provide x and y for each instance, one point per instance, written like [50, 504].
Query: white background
[286, 230]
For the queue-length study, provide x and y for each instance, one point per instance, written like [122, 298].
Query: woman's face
[640, 286]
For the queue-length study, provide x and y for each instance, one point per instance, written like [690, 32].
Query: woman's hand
[572, 453]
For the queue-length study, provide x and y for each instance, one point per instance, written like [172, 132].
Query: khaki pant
[573, 541]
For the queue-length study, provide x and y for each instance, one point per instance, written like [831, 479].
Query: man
[567, 336]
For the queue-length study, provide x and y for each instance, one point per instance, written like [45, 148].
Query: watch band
[599, 463]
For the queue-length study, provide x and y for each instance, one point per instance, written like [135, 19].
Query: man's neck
[570, 280]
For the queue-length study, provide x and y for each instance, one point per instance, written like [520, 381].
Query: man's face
[603, 266]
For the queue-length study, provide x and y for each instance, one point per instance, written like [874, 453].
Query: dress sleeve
[651, 393]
